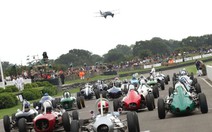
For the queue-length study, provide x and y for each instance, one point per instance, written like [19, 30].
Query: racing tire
[22, 126]
[155, 91]
[194, 82]
[79, 103]
[161, 109]
[125, 90]
[97, 93]
[78, 94]
[54, 103]
[82, 100]
[66, 122]
[104, 94]
[166, 81]
[192, 76]
[75, 115]
[149, 102]
[130, 122]
[162, 85]
[198, 88]
[136, 121]
[75, 126]
[171, 90]
[168, 77]
[153, 98]
[6, 122]
[174, 82]
[57, 100]
[203, 103]
[116, 104]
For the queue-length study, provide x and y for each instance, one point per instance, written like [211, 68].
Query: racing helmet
[46, 94]
[105, 106]
[66, 95]
[26, 105]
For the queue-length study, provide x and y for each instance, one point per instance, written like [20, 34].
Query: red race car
[134, 101]
[52, 120]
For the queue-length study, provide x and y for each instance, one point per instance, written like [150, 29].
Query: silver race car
[104, 119]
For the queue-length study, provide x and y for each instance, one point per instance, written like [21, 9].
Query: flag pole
[2, 75]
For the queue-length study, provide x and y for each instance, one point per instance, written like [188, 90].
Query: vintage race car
[53, 120]
[155, 82]
[22, 120]
[134, 101]
[104, 119]
[69, 102]
[159, 76]
[181, 101]
[45, 97]
[101, 85]
[88, 92]
[112, 93]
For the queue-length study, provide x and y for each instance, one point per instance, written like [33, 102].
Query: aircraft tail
[100, 12]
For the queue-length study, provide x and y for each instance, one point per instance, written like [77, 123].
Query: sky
[30, 27]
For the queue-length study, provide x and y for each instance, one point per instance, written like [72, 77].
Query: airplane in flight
[105, 14]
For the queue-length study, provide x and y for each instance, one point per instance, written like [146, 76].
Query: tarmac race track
[149, 121]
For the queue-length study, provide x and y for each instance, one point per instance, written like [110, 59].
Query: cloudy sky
[30, 27]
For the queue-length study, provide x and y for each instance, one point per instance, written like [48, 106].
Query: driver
[26, 106]
[104, 105]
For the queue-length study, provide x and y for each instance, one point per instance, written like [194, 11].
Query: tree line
[156, 47]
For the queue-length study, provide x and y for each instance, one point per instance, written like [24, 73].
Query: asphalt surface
[149, 121]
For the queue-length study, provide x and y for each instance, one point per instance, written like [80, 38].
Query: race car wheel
[75, 115]
[82, 100]
[78, 103]
[57, 100]
[54, 103]
[166, 80]
[162, 85]
[192, 76]
[116, 104]
[171, 90]
[155, 91]
[97, 93]
[66, 122]
[194, 82]
[22, 125]
[104, 94]
[152, 96]
[6, 122]
[136, 121]
[198, 88]
[149, 102]
[161, 108]
[174, 82]
[78, 94]
[74, 126]
[130, 122]
[203, 103]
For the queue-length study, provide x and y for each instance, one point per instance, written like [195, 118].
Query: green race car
[181, 101]
[69, 102]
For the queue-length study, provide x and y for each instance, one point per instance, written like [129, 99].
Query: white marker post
[2, 75]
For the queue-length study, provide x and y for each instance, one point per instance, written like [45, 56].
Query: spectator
[198, 67]
[62, 77]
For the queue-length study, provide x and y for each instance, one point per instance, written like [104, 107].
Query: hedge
[11, 88]
[8, 100]
[31, 94]
[50, 90]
